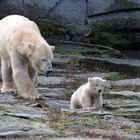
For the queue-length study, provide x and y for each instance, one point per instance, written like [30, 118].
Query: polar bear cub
[89, 95]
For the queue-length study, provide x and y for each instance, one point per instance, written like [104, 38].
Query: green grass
[91, 122]
[116, 76]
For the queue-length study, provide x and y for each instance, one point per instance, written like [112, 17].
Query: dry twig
[56, 41]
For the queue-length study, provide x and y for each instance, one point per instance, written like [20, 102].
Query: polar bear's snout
[100, 90]
[47, 67]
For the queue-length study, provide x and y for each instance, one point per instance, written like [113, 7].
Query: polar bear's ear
[53, 47]
[89, 79]
[29, 46]
[30, 49]
[104, 80]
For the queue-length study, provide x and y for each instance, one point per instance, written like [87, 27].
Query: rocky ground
[51, 117]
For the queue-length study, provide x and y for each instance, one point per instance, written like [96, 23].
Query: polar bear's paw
[31, 96]
[94, 108]
[8, 90]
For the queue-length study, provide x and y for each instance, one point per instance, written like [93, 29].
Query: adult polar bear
[24, 53]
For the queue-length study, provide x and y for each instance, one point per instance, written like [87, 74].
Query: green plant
[116, 76]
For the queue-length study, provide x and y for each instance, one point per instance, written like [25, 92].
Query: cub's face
[41, 58]
[97, 84]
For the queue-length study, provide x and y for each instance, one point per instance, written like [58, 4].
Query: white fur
[89, 95]
[23, 51]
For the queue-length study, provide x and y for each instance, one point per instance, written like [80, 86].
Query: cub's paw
[31, 96]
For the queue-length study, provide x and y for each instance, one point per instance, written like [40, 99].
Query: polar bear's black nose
[48, 72]
[99, 90]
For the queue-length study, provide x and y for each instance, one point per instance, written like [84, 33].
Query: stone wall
[64, 12]
[97, 7]
[70, 12]
[75, 15]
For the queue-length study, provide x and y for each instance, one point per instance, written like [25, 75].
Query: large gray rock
[22, 111]
[70, 12]
[100, 7]
[17, 127]
[39, 9]
[44, 81]
[73, 15]
[61, 11]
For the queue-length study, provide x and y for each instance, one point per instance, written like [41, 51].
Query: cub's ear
[104, 80]
[89, 79]
[53, 48]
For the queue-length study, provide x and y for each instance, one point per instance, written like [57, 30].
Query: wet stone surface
[15, 127]
[51, 117]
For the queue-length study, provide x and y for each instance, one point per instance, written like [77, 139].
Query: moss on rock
[50, 28]
[116, 33]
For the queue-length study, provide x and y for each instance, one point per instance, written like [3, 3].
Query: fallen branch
[56, 41]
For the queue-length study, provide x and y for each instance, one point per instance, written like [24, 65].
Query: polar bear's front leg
[8, 84]
[98, 102]
[22, 80]
[86, 102]
[33, 75]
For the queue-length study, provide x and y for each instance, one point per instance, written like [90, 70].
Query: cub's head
[40, 57]
[96, 84]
